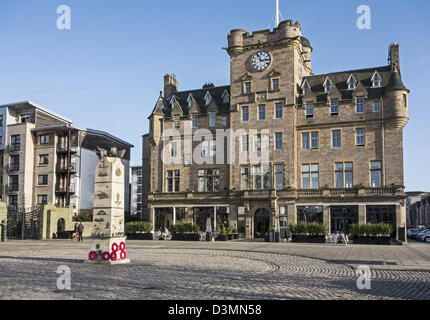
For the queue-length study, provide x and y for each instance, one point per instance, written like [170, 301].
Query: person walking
[76, 233]
[80, 231]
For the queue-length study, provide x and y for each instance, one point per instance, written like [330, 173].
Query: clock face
[261, 60]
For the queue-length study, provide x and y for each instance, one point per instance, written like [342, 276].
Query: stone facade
[301, 114]
[418, 209]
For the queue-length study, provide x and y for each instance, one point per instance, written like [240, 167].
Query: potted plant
[139, 231]
[271, 233]
[235, 234]
[374, 234]
[223, 234]
[304, 232]
[229, 233]
[185, 232]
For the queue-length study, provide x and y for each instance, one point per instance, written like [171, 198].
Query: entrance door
[61, 225]
[261, 223]
[342, 218]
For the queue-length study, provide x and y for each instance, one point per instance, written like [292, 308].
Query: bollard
[3, 231]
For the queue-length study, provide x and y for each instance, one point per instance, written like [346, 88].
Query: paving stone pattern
[187, 274]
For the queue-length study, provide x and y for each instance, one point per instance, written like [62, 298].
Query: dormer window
[305, 87]
[226, 97]
[208, 98]
[352, 83]
[173, 101]
[376, 80]
[327, 85]
[190, 101]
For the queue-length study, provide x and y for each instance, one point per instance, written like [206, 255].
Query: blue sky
[106, 72]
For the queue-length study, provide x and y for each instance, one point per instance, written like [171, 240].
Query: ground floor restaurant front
[254, 221]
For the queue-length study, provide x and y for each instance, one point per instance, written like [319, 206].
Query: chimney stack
[170, 85]
[394, 57]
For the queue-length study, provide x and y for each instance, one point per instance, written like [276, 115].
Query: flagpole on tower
[277, 13]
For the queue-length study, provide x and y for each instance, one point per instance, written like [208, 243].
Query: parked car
[412, 231]
[422, 236]
[415, 234]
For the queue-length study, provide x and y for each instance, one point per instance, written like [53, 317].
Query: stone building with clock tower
[302, 147]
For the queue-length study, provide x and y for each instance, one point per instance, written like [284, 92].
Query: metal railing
[64, 189]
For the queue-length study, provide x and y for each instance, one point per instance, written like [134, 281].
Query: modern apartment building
[136, 191]
[44, 158]
[280, 144]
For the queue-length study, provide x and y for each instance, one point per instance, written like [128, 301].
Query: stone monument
[109, 241]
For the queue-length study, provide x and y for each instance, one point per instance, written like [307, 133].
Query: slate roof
[305, 42]
[339, 79]
[395, 82]
[163, 106]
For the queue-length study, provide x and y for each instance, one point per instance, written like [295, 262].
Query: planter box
[230, 237]
[383, 241]
[65, 235]
[236, 236]
[266, 238]
[185, 237]
[140, 236]
[308, 239]
[271, 237]
[222, 238]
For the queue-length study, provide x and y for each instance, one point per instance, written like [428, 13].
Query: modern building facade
[136, 191]
[45, 159]
[280, 144]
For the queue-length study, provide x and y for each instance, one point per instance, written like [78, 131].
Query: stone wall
[50, 217]
[3, 211]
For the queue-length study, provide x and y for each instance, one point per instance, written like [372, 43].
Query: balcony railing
[66, 168]
[310, 192]
[13, 188]
[14, 167]
[287, 193]
[65, 149]
[64, 189]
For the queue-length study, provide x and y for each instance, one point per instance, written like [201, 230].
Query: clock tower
[266, 71]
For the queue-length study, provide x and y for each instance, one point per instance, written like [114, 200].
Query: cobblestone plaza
[200, 271]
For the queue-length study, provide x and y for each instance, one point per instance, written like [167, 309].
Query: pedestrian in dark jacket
[81, 231]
